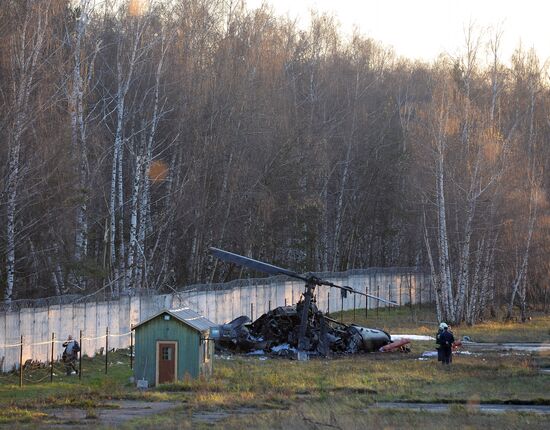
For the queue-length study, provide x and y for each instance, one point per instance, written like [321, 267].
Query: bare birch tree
[26, 55]
[130, 50]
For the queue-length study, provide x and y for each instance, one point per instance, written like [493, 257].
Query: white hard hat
[443, 326]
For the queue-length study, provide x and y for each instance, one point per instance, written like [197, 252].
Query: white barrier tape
[10, 346]
[94, 338]
[49, 342]
[119, 335]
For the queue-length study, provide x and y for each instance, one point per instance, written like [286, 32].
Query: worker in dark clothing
[70, 354]
[445, 342]
[437, 344]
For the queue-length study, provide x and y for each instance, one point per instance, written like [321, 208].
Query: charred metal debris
[301, 330]
[277, 333]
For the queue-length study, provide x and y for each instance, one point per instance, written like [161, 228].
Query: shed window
[167, 353]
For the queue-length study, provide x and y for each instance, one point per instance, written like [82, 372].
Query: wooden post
[328, 302]
[21, 363]
[269, 306]
[252, 311]
[80, 357]
[354, 308]
[106, 348]
[131, 347]
[285, 301]
[51, 358]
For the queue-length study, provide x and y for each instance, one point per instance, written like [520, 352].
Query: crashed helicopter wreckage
[302, 329]
[276, 332]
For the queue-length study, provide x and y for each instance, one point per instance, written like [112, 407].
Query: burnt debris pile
[302, 330]
[277, 333]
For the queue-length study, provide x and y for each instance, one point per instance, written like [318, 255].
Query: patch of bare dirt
[113, 414]
[479, 407]
[211, 417]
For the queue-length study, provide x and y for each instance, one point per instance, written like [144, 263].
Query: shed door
[166, 356]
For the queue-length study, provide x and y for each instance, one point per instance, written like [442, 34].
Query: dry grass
[421, 320]
[337, 413]
[15, 414]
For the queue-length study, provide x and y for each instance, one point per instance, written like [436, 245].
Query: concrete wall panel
[220, 305]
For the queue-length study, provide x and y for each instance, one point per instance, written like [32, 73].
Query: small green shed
[172, 344]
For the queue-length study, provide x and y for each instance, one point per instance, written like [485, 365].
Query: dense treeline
[136, 135]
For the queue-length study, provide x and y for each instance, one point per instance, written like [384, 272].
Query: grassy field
[246, 392]
[421, 320]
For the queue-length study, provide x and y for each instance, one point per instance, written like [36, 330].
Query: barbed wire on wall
[225, 302]
[19, 304]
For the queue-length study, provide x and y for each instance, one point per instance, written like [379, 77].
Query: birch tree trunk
[464, 262]
[445, 279]
[137, 188]
[27, 47]
[534, 177]
[343, 183]
[522, 269]
[124, 77]
[143, 207]
[433, 270]
[78, 128]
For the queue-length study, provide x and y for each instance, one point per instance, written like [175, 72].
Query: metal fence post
[51, 358]
[21, 363]
[409, 280]
[106, 348]
[377, 303]
[388, 306]
[400, 290]
[131, 347]
[342, 306]
[80, 358]
[366, 301]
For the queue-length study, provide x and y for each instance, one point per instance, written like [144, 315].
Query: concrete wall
[218, 302]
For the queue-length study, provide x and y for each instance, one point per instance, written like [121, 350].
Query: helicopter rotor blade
[260, 266]
[380, 299]
[351, 290]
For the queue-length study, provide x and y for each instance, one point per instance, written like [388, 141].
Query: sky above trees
[426, 28]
